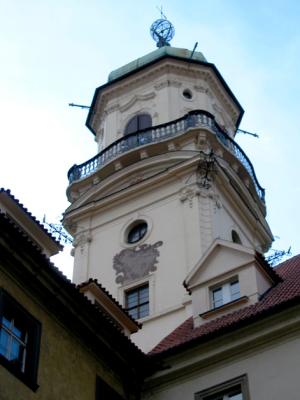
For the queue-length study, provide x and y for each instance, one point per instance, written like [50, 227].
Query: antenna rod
[247, 133]
[78, 105]
[196, 44]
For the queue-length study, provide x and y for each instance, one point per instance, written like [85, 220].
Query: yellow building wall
[67, 370]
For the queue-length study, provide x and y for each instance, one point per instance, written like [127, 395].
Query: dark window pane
[4, 337]
[132, 301]
[137, 232]
[132, 126]
[144, 121]
[137, 302]
[235, 237]
[235, 290]
[144, 310]
[137, 123]
[217, 297]
[19, 339]
[133, 313]
[6, 322]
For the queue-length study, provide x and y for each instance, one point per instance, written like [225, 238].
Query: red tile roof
[284, 294]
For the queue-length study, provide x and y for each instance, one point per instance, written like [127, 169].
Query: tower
[169, 215]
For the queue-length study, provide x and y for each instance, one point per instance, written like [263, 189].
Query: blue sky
[57, 52]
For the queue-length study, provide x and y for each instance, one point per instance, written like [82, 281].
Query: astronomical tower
[169, 195]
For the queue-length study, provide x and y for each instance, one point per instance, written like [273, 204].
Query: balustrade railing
[159, 133]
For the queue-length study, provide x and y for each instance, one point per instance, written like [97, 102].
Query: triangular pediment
[219, 259]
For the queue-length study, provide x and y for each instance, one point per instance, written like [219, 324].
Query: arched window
[137, 123]
[235, 237]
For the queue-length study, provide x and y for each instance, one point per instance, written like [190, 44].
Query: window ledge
[27, 380]
[224, 307]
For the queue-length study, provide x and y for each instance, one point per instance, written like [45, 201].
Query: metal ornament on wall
[206, 170]
[137, 262]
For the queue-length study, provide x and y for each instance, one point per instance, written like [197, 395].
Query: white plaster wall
[273, 374]
[174, 223]
[226, 218]
[162, 98]
[154, 330]
[263, 284]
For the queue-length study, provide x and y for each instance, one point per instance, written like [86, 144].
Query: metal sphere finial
[162, 31]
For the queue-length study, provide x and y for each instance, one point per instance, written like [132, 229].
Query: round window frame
[187, 90]
[130, 225]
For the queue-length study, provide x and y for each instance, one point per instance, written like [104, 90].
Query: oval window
[137, 232]
[187, 94]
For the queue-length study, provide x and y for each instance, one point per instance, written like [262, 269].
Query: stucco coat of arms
[135, 263]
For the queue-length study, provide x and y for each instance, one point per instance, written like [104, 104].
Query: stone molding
[82, 239]
[134, 99]
[188, 193]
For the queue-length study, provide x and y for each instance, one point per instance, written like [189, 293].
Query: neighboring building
[54, 342]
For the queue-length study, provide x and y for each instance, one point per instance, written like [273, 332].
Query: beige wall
[273, 374]
[67, 370]
[187, 220]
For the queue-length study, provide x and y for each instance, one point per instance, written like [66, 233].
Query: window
[187, 94]
[235, 389]
[137, 123]
[235, 237]
[19, 340]
[137, 301]
[137, 232]
[226, 293]
[104, 391]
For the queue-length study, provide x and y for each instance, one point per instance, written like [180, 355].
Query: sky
[56, 52]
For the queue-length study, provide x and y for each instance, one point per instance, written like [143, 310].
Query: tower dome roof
[155, 55]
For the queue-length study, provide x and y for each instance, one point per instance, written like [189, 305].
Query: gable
[221, 258]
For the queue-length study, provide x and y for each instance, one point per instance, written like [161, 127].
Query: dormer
[164, 85]
[227, 277]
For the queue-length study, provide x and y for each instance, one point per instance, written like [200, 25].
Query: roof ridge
[31, 216]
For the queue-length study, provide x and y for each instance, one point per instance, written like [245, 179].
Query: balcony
[194, 119]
